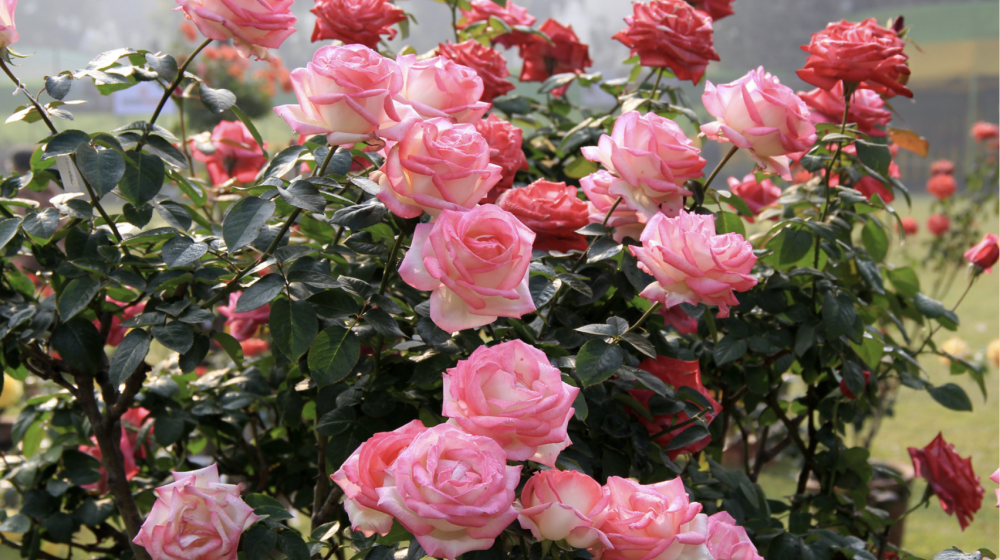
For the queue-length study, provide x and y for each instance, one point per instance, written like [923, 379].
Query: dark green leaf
[250, 126]
[40, 224]
[190, 360]
[603, 248]
[694, 433]
[231, 346]
[58, 86]
[333, 355]
[182, 251]
[875, 156]
[17, 523]
[875, 240]
[143, 178]
[103, 169]
[791, 245]
[284, 162]
[8, 228]
[130, 353]
[729, 349]
[243, 223]
[176, 336]
[727, 222]
[360, 216]
[383, 323]
[260, 293]
[66, 142]
[168, 429]
[293, 326]
[597, 361]
[76, 296]
[139, 217]
[79, 344]
[216, 100]
[904, 280]
[336, 421]
[951, 396]
[258, 542]
[301, 194]
[927, 306]
[838, 315]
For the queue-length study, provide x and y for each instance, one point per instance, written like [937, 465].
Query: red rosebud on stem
[951, 477]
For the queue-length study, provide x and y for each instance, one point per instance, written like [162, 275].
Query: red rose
[951, 477]
[847, 392]
[867, 108]
[237, 155]
[938, 224]
[511, 14]
[942, 167]
[504, 140]
[864, 53]
[254, 346]
[910, 225]
[983, 131]
[552, 210]
[670, 34]
[565, 54]
[488, 64]
[677, 374]
[718, 9]
[985, 254]
[355, 21]
[942, 186]
[870, 185]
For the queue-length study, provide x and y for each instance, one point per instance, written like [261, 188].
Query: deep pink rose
[564, 505]
[489, 65]
[759, 114]
[564, 54]
[670, 34]
[237, 155]
[654, 157]
[729, 541]
[995, 477]
[504, 140]
[718, 9]
[440, 87]
[983, 131]
[364, 472]
[867, 108]
[8, 32]
[438, 166]
[951, 477]
[362, 22]
[942, 186]
[692, 264]
[679, 320]
[254, 25]
[132, 423]
[244, 325]
[475, 262]
[865, 53]
[985, 254]
[117, 332]
[870, 186]
[346, 93]
[626, 221]
[652, 522]
[511, 394]
[552, 210]
[452, 490]
[511, 14]
[196, 516]
[758, 196]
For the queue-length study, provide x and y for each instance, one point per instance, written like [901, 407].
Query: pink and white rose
[8, 31]
[511, 394]
[626, 221]
[440, 87]
[564, 505]
[729, 541]
[254, 25]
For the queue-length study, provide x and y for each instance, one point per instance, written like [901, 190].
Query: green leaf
[164, 65]
[258, 542]
[231, 346]
[103, 169]
[729, 349]
[76, 296]
[333, 355]
[336, 421]
[8, 229]
[176, 336]
[250, 126]
[597, 361]
[304, 195]
[163, 148]
[383, 323]
[905, 281]
[694, 433]
[79, 344]
[579, 167]
[58, 86]
[293, 326]
[285, 161]
[928, 306]
[603, 248]
[875, 240]
[139, 217]
[190, 360]
[39, 224]
[727, 222]
[130, 353]
[875, 156]
[143, 178]
[243, 223]
[951, 396]
[64, 143]
[263, 504]
[260, 293]
[182, 251]
[795, 244]
[838, 315]
[360, 216]
[17, 523]
[870, 350]
[216, 100]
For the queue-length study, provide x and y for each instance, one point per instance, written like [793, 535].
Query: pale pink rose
[364, 472]
[440, 87]
[692, 264]
[758, 196]
[510, 393]
[243, 325]
[654, 157]
[452, 490]
[8, 32]
[626, 221]
[564, 505]
[196, 516]
[475, 262]
[346, 94]
[759, 114]
[438, 166]
[254, 25]
[652, 522]
[995, 477]
[729, 541]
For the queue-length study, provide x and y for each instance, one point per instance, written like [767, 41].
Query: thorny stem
[170, 91]
[38, 106]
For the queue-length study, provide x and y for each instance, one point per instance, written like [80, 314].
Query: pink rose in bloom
[132, 423]
[995, 477]
[654, 157]
[626, 221]
[758, 196]
[196, 516]
[511, 14]
[8, 32]
[552, 210]
[117, 332]
[565, 54]
[677, 374]
[865, 53]
[475, 262]
[438, 166]
[237, 155]
[983, 131]
[942, 167]
[718, 9]
[951, 477]
[652, 522]
[937, 224]
[867, 108]
[364, 472]
[489, 65]
[942, 186]
[692, 264]
[346, 94]
[511, 394]
[679, 320]
[244, 325]
[439, 87]
[504, 140]
[729, 541]
[670, 34]
[870, 186]
[847, 392]
[254, 25]
[984, 255]
[910, 225]
[564, 505]
[758, 113]
[452, 490]
[362, 22]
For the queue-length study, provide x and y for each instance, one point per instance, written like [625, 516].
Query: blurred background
[954, 57]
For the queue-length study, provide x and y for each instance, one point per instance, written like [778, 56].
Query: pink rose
[867, 108]
[938, 224]
[8, 32]
[758, 196]
[729, 541]
[196, 516]
[452, 490]
[510, 393]
[437, 166]
[995, 477]
[654, 157]
[679, 320]
[356, 21]
[243, 325]
[983, 131]
[759, 114]
[626, 221]
[254, 25]
[552, 210]
[564, 505]
[439, 87]
[237, 155]
[504, 140]
[652, 522]
[476, 263]
[364, 472]
[985, 254]
[346, 93]
[692, 264]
